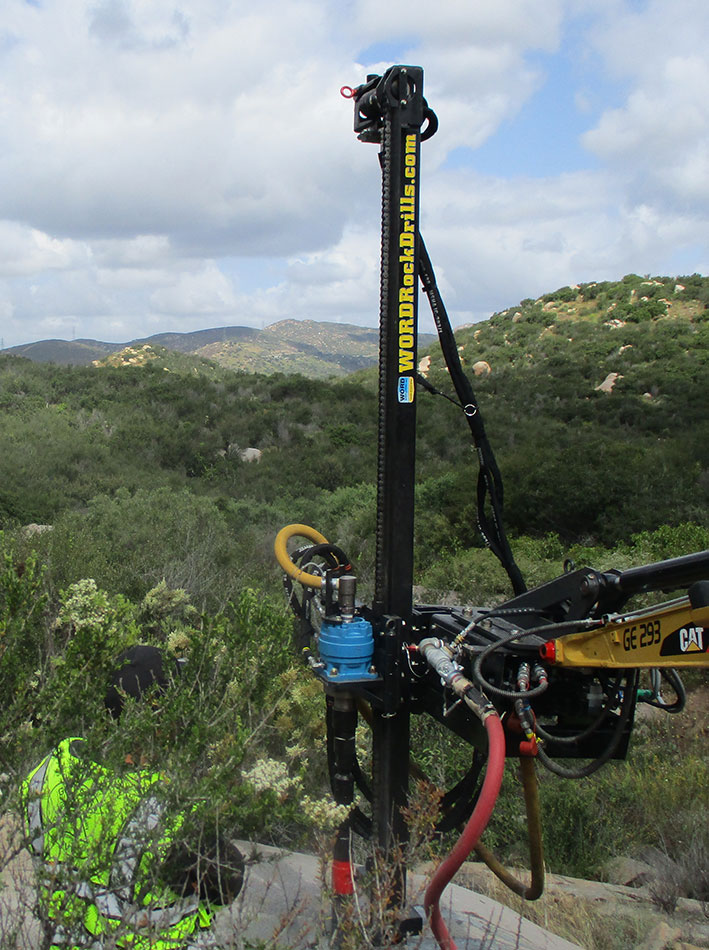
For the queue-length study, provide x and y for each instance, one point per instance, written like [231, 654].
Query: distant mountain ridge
[309, 347]
[537, 332]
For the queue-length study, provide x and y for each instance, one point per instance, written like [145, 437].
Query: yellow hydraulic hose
[534, 831]
[283, 558]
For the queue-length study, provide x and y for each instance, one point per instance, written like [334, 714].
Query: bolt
[334, 671]
[372, 669]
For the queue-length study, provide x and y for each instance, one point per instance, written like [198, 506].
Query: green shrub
[130, 542]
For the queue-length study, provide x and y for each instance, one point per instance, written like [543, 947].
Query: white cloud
[500, 241]
[519, 22]
[25, 250]
[138, 253]
[154, 155]
[205, 291]
[340, 283]
[473, 54]
[657, 141]
[113, 130]
[633, 40]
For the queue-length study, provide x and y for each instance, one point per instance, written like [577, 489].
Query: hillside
[595, 401]
[584, 461]
[63, 352]
[318, 350]
[634, 328]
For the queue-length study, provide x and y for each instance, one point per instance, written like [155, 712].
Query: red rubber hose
[471, 833]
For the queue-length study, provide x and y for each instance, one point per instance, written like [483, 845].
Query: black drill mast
[390, 110]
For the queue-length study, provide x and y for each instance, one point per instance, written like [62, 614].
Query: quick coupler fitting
[438, 657]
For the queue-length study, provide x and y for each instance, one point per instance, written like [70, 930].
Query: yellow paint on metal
[673, 634]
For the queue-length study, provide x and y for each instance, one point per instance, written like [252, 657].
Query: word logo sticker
[406, 389]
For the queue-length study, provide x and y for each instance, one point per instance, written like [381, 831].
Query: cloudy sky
[182, 164]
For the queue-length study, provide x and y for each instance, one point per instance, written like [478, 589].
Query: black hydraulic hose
[627, 702]
[675, 681]
[361, 823]
[466, 786]
[547, 629]
[588, 731]
[360, 779]
[626, 707]
[458, 802]
[335, 557]
[489, 478]
[341, 727]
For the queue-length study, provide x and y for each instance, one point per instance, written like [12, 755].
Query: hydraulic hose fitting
[438, 657]
[523, 721]
[523, 677]
[479, 703]
[539, 675]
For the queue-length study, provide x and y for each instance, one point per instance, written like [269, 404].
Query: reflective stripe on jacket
[100, 836]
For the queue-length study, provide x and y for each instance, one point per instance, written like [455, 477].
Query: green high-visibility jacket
[100, 837]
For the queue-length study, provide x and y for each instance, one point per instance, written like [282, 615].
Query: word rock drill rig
[549, 675]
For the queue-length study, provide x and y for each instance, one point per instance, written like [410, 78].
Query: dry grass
[577, 920]
[593, 916]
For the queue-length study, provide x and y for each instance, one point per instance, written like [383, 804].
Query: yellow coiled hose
[284, 559]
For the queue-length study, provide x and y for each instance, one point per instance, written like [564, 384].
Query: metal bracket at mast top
[398, 89]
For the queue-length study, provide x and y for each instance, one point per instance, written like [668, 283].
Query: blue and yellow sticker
[406, 389]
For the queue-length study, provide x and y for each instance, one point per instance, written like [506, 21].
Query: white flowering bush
[324, 814]
[271, 775]
[241, 734]
[83, 605]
